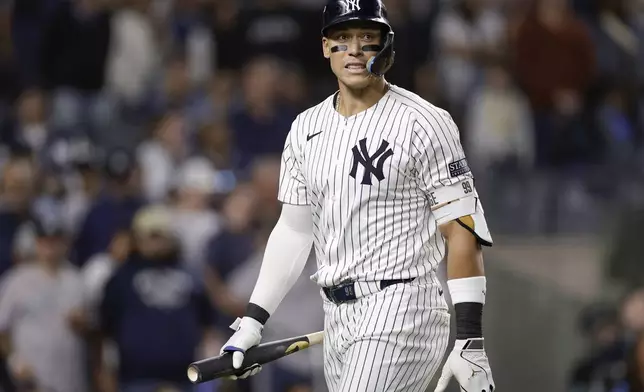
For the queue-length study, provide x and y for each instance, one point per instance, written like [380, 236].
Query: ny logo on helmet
[349, 6]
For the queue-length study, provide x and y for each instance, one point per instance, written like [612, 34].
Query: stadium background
[109, 105]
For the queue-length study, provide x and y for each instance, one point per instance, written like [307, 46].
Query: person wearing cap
[152, 310]
[195, 222]
[41, 315]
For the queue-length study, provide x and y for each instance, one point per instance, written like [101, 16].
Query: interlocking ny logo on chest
[372, 164]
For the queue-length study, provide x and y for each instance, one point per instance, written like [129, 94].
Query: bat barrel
[222, 366]
[211, 368]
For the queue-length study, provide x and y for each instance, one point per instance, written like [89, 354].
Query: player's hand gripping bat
[222, 365]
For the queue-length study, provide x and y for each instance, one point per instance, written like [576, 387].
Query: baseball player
[374, 178]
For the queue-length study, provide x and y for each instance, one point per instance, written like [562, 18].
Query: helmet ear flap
[383, 60]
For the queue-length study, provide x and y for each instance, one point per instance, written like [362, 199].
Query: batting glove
[467, 363]
[248, 334]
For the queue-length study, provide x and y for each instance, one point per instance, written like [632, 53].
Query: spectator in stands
[154, 311]
[265, 181]
[75, 45]
[177, 93]
[194, 220]
[42, 315]
[261, 126]
[555, 64]
[499, 123]
[133, 57]
[600, 369]
[99, 269]
[28, 21]
[17, 193]
[28, 129]
[634, 380]
[294, 374]
[615, 32]
[407, 56]
[113, 210]
[191, 36]
[273, 28]
[467, 33]
[229, 248]
[619, 129]
[213, 143]
[217, 103]
[160, 156]
[224, 29]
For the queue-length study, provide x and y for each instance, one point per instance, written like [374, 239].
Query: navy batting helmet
[341, 11]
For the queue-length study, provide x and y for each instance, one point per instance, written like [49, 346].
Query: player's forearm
[286, 254]
[465, 279]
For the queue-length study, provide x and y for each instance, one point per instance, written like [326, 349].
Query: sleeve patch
[458, 168]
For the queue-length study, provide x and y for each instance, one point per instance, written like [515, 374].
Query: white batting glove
[467, 363]
[249, 334]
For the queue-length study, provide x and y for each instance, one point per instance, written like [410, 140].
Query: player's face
[350, 65]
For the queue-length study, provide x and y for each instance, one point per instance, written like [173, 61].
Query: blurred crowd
[139, 162]
[615, 336]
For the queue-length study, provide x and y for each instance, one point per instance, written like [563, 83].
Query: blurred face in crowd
[293, 87]
[239, 208]
[350, 66]
[31, 107]
[222, 87]
[171, 133]
[265, 178]
[215, 139]
[51, 249]
[18, 183]
[194, 199]
[155, 245]
[177, 80]
[120, 246]
[260, 80]
[633, 311]
[497, 78]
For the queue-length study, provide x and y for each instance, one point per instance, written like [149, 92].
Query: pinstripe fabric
[389, 341]
[384, 230]
[372, 221]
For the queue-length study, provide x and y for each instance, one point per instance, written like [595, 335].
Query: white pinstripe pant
[393, 340]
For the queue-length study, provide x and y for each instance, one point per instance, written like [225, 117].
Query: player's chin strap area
[382, 61]
[460, 202]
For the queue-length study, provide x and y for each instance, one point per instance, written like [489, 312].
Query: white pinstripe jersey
[369, 180]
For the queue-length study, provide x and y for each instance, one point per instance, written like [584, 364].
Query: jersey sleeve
[444, 174]
[292, 184]
[438, 154]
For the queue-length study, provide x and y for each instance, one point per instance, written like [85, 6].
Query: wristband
[467, 289]
[257, 312]
[468, 297]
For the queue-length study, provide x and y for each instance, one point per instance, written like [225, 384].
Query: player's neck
[352, 101]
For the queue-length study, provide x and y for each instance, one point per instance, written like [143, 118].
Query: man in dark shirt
[153, 311]
[113, 210]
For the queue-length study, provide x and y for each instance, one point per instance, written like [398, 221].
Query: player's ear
[326, 50]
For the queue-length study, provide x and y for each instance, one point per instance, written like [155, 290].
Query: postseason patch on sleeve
[458, 168]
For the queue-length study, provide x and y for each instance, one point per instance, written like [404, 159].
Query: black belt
[345, 292]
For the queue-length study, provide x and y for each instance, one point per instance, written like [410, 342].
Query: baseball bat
[222, 365]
